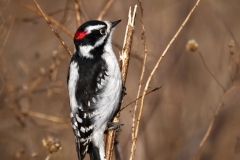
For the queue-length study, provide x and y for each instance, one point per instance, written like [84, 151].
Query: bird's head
[92, 37]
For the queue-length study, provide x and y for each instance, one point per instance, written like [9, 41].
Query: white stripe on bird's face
[89, 29]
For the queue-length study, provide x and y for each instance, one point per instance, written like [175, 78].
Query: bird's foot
[124, 91]
[114, 126]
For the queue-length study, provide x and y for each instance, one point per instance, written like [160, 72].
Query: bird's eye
[102, 31]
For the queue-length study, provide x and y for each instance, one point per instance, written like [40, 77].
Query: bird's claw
[124, 91]
[114, 126]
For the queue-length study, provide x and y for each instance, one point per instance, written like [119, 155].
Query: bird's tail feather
[78, 151]
[93, 152]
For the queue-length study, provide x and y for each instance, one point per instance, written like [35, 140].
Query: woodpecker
[94, 86]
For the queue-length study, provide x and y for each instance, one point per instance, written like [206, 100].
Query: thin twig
[105, 9]
[46, 117]
[226, 24]
[48, 157]
[124, 61]
[205, 65]
[154, 70]
[5, 74]
[66, 12]
[53, 30]
[77, 12]
[7, 36]
[30, 19]
[59, 25]
[143, 38]
[209, 71]
[155, 89]
[213, 121]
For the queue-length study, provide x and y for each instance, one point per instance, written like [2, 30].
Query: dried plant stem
[155, 89]
[5, 80]
[152, 73]
[48, 157]
[124, 61]
[59, 25]
[53, 30]
[40, 16]
[143, 38]
[124, 57]
[7, 36]
[209, 71]
[77, 12]
[65, 13]
[46, 117]
[213, 121]
[105, 9]
[225, 23]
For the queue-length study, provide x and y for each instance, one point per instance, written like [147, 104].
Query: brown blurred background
[33, 95]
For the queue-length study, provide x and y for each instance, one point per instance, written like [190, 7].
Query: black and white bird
[94, 86]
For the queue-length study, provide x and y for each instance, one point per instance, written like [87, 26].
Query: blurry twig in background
[105, 9]
[209, 71]
[33, 18]
[153, 72]
[143, 38]
[66, 12]
[5, 80]
[7, 35]
[46, 117]
[155, 89]
[48, 156]
[77, 12]
[124, 61]
[210, 126]
[220, 17]
[59, 25]
[53, 30]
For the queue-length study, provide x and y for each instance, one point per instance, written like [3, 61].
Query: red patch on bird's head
[80, 35]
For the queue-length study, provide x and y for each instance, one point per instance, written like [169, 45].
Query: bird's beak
[115, 23]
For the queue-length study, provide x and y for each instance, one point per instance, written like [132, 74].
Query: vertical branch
[153, 72]
[53, 30]
[77, 12]
[143, 38]
[105, 9]
[124, 57]
[124, 61]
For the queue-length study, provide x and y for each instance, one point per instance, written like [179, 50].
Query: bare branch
[155, 89]
[40, 16]
[59, 25]
[7, 36]
[213, 121]
[46, 117]
[209, 71]
[105, 9]
[53, 30]
[77, 12]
